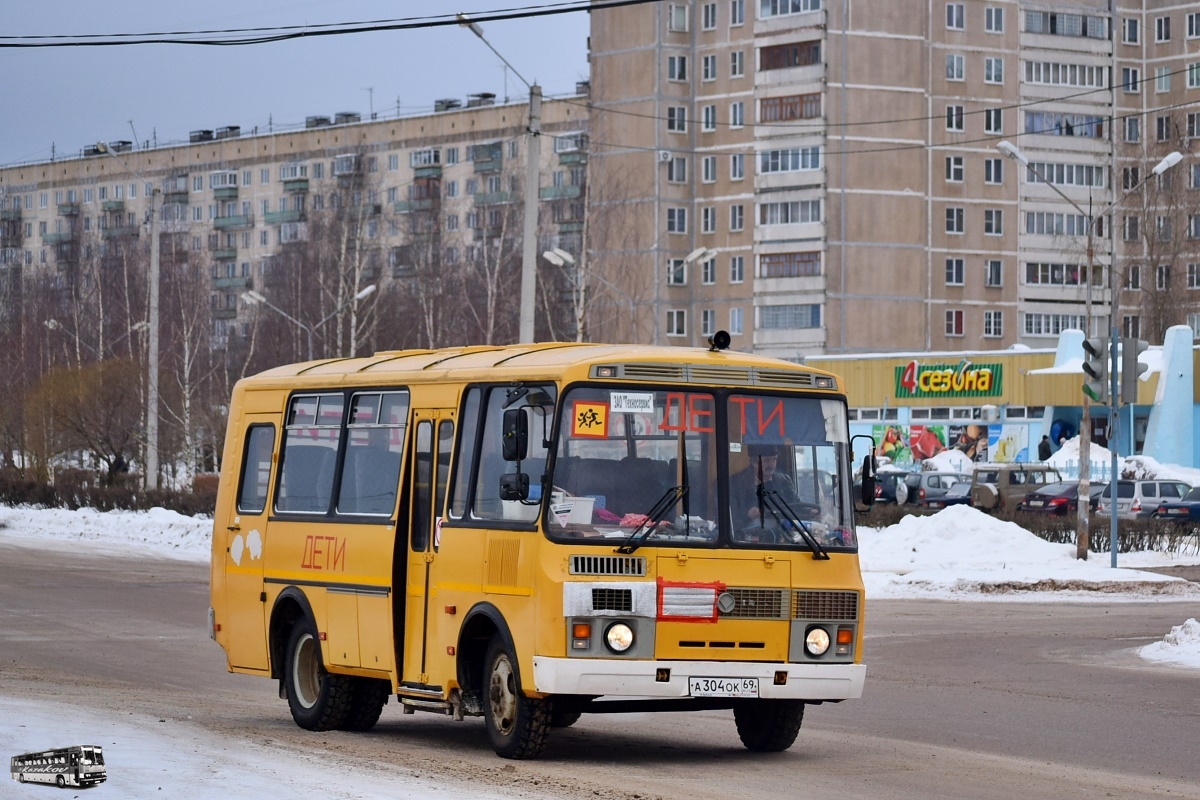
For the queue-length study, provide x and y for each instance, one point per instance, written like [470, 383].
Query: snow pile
[1144, 467]
[157, 531]
[1068, 456]
[949, 461]
[1180, 646]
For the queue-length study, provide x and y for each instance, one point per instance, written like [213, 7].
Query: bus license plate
[723, 687]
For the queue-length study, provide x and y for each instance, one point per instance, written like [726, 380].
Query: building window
[1133, 129]
[708, 219]
[708, 173]
[708, 68]
[1056, 74]
[677, 119]
[791, 317]
[993, 222]
[709, 123]
[1068, 174]
[954, 322]
[1193, 76]
[737, 269]
[993, 272]
[993, 170]
[677, 18]
[789, 265]
[676, 322]
[955, 70]
[1053, 123]
[1162, 277]
[954, 169]
[780, 8]
[1131, 326]
[1162, 228]
[677, 68]
[737, 114]
[708, 321]
[676, 220]
[1193, 226]
[737, 12]
[737, 217]
[735, 321]
[1162, 29]
[1052, 224]
[954, 118]
[993, 70]
[954, 220]
[1133, 276]
[1130, 30]
[787, 213]
[793, 54]
[737, 166]
[955, 271]
[676, 272]
[709, 17]
[1041, 274]
[737, 64]
[1193, 276]
[782, 109]
[1162, 79]
[993, 120]
[955, 16]
[1053, 324]
[1130, 78]
[677, 170]
[1130, 178]
[708, 271]
[1162, 128]
[1193, 25]
[993, 19]
[993, 323]
[795, 159]
[1058, 23]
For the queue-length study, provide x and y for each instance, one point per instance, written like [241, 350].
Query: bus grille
[758, 604]
[612, 599]
[633, 566]
[825, 605]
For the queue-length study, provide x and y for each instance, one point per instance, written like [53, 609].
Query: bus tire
[768, 726]
[61, 780]
[367, 699]
[319, 701]
[517, 725]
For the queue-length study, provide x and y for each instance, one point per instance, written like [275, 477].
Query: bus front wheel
[318, 700]
[517, 725]
[768, 726]
[61, 781]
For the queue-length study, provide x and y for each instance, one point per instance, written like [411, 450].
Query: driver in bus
[763, 471]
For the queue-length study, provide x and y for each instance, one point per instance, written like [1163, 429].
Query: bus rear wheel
[768, 726]
[517, 725]
[318, 700]
[367, 699]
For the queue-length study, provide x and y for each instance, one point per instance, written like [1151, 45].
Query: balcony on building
[68, 209]
[224, 313]
[58, 238]
[175, 189]
[236, 282]
[233, 222]
[10, 213]
[488, 157]
[566, 192]
[281, 217]
[118, 231]
[405, 206]
[295, 185]
[224, 253]
[113, 205]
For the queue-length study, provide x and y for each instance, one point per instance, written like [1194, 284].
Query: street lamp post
[561, 258]
[254, 298]
[532, 173]
[1082, 535]
[151, 477]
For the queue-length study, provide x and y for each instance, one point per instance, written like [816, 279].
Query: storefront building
[996, 405]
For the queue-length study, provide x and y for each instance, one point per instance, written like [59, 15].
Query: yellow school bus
[533, 532]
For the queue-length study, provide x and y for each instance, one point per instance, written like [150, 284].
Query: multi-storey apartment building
[435, 191]
[832, 169]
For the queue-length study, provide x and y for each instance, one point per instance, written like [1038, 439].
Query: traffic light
[1095, 369]
[1131, 368]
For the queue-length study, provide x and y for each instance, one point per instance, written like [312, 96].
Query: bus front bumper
[613, 677]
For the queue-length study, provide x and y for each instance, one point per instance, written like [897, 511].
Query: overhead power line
[251, 36]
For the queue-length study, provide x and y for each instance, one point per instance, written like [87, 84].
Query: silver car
[927, 485]
[1137, 499]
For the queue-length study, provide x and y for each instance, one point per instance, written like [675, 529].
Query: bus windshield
[651, 462]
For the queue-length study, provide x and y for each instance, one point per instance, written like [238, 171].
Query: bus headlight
[816, 641]
[619, 637]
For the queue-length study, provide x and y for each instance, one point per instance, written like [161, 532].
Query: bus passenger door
[430, 457]
[244, 526]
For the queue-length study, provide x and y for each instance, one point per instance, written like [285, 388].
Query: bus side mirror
[516, 435]
[514, 486]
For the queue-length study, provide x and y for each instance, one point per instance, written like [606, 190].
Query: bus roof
[550, 360]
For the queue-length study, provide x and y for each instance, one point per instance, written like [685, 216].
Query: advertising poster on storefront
[905, 444]
[970, 440]
[1008, 443]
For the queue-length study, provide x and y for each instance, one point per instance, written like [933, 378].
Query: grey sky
[69, 97]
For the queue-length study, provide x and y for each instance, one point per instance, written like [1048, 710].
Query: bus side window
[464, 465]
[256, 469]
[422, 496]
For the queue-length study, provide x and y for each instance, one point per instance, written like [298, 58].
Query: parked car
[1005, 485]
[1138, 499]
[890, 486]
[1060, 499]
[922, 485]
[959, 494]
[1185, 511]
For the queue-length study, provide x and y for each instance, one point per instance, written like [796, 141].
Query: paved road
[979, 700]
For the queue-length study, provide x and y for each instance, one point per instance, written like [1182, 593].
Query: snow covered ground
[958, 553]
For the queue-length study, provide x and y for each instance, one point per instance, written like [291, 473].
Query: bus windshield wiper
[657, 512]
[787, 519]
